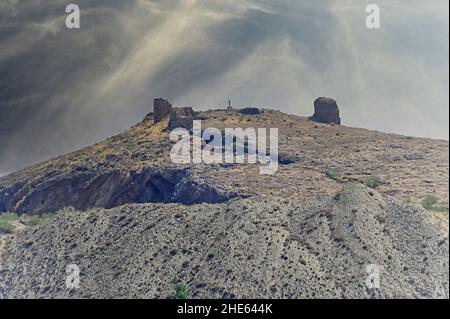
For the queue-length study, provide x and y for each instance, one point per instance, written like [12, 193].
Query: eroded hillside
[315, 159]
[138, 225]
[261, 247]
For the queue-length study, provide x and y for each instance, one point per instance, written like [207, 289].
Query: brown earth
[324, 158]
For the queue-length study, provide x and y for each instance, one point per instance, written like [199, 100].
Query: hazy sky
[62, 89]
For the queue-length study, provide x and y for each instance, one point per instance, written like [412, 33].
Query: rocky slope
[139, 225]
[316, 158]
[261, 247]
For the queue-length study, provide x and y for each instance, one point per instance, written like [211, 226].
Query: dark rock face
[326, 111]
[87, 189]
[191, 192]
[7, 195]
[250, 111]
[286, 159]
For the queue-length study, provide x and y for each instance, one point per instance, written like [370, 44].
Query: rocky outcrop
[250, 111]
[260, 247]
[87, 189]
[326, 111]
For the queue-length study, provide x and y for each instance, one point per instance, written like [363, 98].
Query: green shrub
[7, 216]
[440, 209]
[372, 182]
[34, 219]
[6, 227]
[181, 292]
[333, 174]
[6, 219]
[31, 220]
[432, 203]
[429, 201]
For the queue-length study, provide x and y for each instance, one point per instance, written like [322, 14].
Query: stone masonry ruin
[326, 111]
[179, 116]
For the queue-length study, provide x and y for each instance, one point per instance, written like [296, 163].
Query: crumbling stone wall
[179, 116]
[182, 117]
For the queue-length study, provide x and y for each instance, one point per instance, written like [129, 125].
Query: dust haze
[62, 89]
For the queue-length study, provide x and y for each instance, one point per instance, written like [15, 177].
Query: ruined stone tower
[326, 111]
[179, 116]
[161, 109]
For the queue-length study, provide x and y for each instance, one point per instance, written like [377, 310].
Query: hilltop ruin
[179, 116]
[326, 111]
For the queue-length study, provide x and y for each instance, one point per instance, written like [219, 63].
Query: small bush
[372, 182]
[31, 220]
[181, 292]
[34, 219]
[333, 174]
[431, 202]
[6, 219]
[440, 209]
[6, 227]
